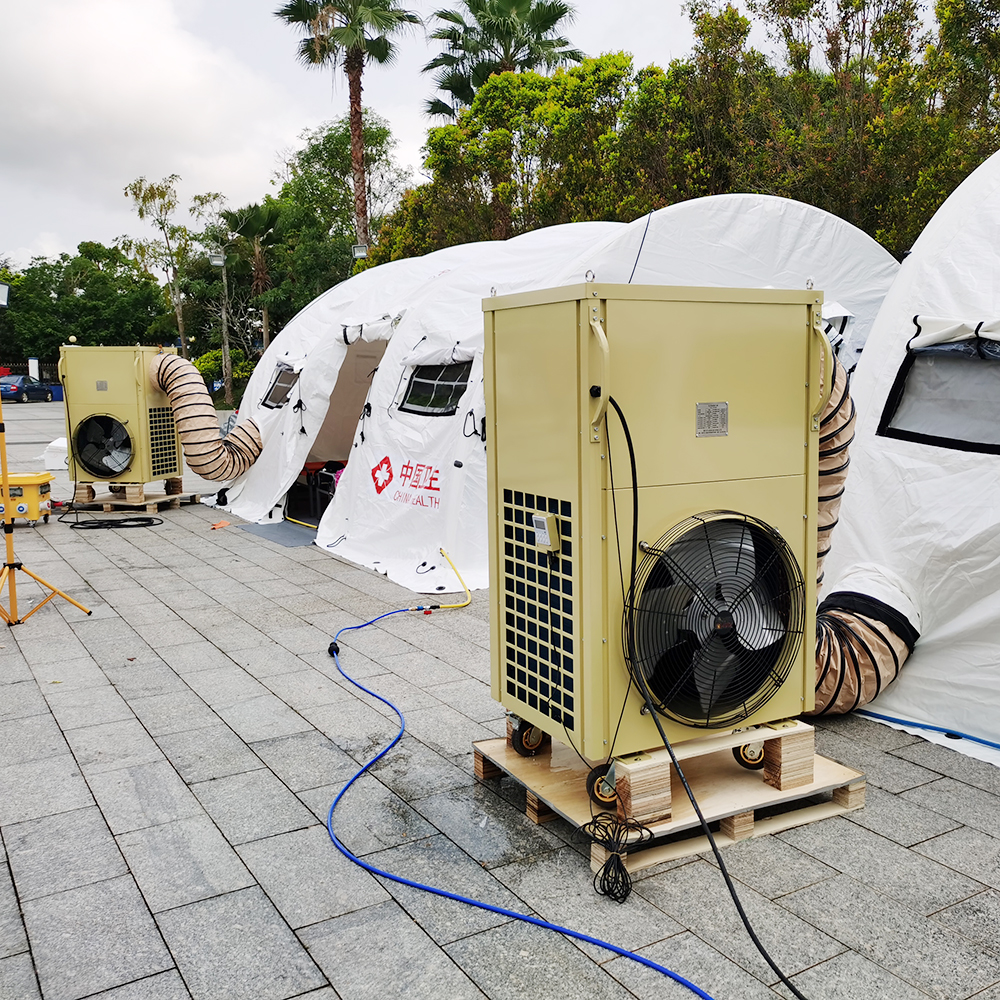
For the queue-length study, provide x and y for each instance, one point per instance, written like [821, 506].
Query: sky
[101, 92]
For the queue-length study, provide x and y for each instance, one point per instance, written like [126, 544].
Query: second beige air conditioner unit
[721, 389]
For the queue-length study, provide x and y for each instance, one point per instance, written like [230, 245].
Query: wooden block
[643, 786]
[737, 827]
[536, 810]
[484, 767]
[510, 731]
[850, 796]
[173, 486]
[84, 493]
[135, 493]
[788, 760]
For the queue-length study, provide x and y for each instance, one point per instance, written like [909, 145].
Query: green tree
[487, 37]
[257, 225]
[157, 202]
[349, 34]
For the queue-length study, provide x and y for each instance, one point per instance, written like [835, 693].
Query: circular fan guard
[103, 446]
[717, 619]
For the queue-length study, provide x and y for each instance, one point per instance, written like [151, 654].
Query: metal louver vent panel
[162, 442]
[539, 626]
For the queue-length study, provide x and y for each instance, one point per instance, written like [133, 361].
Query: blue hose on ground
[334, 649]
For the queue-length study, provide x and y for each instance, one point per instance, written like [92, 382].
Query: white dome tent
[418, 482]
[920, 522]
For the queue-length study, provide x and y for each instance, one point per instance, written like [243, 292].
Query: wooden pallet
[152, 503]
[727, 794]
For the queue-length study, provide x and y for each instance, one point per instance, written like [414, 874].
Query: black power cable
[641, 681]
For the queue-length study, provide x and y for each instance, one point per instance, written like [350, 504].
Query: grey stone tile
[975, 918]
[21, 700]
[306, 687]
[13, 669]
[894, 817]
[174, 712]
[851, 977]
[485, 827]
[251, 805]
[517, 959]
[354, 726]
[307, 878]
[39, 651]
[694, 960]
[133, 798]
[167, 633]
[956, 800]
[860, 729]
[263, 718]
[17, 978]
[409, 964]
[93, 938]
[915, 949]
[885, 770]
[414, 771]
[162, 986]
[12, 937]
[944, 760]
[696, 897]
[222, 687]
[771, 866]
[414, 664]
[357, 665]
[470, 697]
[305, 760]
[31, 738]
[41, 788]
[61, 852]
[301, 638]
[112, 745]
[445, 730]
[267, 659]
[145, 678]
[369, 817]
[195, 657]
[181, 862]
[884, 866]
[405, 695]
[240, 635]
[75, 708]
[61, 675]
[968, 851]
[435, 861]
[212, 752]
[219, 959]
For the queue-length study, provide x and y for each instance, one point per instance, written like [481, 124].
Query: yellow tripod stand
[8, 577]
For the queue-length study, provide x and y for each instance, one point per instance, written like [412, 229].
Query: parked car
[24, 388]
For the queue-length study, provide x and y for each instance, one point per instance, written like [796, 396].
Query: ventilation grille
[539, 626]
[162, 441]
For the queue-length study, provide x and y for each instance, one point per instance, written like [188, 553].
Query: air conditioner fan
[715, 619]
[103, 446]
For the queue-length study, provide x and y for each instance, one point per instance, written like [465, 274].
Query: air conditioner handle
[600, 391]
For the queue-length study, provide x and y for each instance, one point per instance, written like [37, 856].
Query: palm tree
[256, 224]
[497, 36]
[349, 33]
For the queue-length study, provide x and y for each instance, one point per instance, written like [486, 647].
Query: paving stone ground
[167, 764]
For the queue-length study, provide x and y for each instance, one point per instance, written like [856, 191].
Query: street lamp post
[217, 258]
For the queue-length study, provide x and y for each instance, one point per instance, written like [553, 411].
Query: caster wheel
[526, 739]
[45, 518]
[600, 791]
[750, 756]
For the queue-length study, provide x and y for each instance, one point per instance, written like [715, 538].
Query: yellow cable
[305, 524]
[468, 593]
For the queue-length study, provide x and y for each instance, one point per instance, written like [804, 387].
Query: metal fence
[48, 371]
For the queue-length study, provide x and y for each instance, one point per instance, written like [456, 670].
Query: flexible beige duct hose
[860, 642]
[836, 432]
[206, 452]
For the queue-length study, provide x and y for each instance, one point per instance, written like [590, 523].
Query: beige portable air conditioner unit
[119, 429]
[721, 389]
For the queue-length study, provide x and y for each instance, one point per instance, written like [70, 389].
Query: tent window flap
[282, 383]
[434, 390]
[947, 395]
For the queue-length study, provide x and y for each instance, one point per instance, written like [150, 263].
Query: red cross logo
[382, 474]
